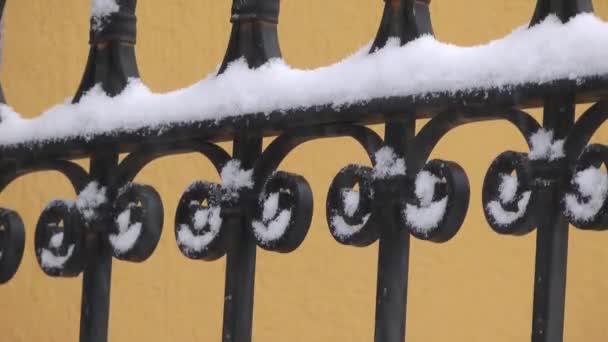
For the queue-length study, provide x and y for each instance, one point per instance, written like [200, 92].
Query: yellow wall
[478, 287]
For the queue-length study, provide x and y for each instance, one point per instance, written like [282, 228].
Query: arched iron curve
[584, 128]
[77, 176]
[274, 154]
[137, 160]
[428, 137]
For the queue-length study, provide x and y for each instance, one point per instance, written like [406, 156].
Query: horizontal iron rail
[487, 103]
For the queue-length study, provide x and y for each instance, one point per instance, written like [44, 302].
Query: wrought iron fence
[403, 194]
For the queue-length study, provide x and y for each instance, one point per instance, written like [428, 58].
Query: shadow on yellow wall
[477, 287]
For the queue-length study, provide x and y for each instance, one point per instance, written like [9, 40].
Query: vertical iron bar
[404, 20]
[254, 38]
[97, 278]
[96, 282]
[111, 62]
[241, 257]
[552, 236]
[563, 9]
[393, 253]
[550, 277]
[254, 34]
[2, 3]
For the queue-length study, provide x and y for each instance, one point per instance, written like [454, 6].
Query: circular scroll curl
[282, 213]
[138, 221]
[59, 240]
[436, 201]
[349, 207]
[586, 200]
[199, 222]
[508, 196]
[12, 242]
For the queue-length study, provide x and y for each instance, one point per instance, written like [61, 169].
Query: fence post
[404, 20]
[97, 275]
[240, 259]
[254, 38]
[111, 63]
[552, 233]
[394, 251]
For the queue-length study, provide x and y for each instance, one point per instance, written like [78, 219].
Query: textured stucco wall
[478, 287]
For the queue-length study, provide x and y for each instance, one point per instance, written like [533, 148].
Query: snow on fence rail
[404, 74]
[424, 67]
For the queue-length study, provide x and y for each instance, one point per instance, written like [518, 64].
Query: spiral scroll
[138, 222]
[586, 199]
[198, 222]
[349, 210]
[12, 241]
[437, 202]
[509, 200]
[59, 239]
[282, 215]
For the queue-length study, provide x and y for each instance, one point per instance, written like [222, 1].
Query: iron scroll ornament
[185, 216]
[285, 200]
[129, 215]
[429, 198]
[277, 205]
[199, 219]
[516, 183]
[436, 196]
[585, 198]
[514, 170]
[133, 213]
[129, 220]
[12, 232]
[585, 201]
[12, 242]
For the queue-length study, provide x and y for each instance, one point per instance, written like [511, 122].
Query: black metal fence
[258, 206]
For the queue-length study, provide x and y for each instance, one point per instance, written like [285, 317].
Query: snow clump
[507, 194]
[429, 213]
[592, 184]
[544, 147]
[388, 164]
[101, 10]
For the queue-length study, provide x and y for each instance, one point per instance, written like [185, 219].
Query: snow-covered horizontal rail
[420, 78]
[405, 74]
[64, 142]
